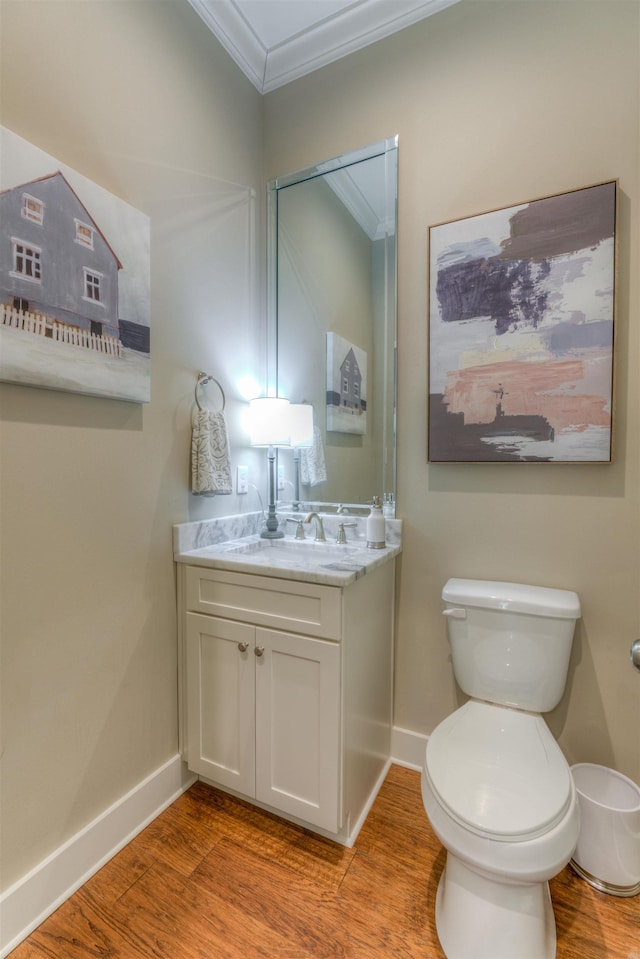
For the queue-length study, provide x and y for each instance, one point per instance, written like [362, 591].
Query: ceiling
[276, 41]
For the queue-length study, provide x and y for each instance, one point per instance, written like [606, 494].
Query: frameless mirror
[332, 323]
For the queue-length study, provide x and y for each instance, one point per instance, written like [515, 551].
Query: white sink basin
[299, 551]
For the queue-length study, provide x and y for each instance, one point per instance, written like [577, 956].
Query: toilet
[496, 787]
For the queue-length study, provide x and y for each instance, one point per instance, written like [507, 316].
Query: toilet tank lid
[515, 597]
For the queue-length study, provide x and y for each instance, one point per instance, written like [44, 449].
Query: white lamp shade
[301, 423]
[269, 421]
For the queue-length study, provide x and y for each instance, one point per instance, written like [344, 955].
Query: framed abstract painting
[521, 332]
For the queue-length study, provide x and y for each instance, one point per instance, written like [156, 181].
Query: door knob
[243, 647]
[635, 654]
[259, 650]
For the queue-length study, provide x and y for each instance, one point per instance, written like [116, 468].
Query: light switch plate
[242, 479]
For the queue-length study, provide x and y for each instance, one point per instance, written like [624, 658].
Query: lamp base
[271, 534]
[271, 530]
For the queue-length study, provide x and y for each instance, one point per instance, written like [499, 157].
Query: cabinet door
[298, 726]
[220, 701]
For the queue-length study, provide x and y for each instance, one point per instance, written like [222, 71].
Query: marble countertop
[234, 543]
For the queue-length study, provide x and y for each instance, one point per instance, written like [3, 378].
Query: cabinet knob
[635, 654]
[259, 650]
[243, 647]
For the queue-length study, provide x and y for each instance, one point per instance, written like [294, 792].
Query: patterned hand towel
[210, 454]
[312, 467]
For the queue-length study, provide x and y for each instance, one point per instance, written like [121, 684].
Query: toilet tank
[510, 643]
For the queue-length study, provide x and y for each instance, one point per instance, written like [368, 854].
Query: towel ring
[203, 379]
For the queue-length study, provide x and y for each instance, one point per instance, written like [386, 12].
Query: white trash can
[608, 851]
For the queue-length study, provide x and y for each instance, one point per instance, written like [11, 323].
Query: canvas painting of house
[346, 386]
[74, 280]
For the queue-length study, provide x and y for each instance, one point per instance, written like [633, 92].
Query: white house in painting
[54, 260]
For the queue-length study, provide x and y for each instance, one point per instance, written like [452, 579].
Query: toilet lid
[498, 771]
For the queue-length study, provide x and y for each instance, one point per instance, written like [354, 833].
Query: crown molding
[236, 36]
[335, 37]
[345, 33]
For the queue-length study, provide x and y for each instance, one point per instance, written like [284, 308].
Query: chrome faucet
[320, 537]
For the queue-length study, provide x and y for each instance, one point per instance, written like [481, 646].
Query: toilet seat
[498, 772]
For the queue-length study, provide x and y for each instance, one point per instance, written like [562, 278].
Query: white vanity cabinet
[286, 690]
[263, 715]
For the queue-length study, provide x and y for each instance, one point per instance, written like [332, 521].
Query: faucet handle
[299, 526]
[342, 536]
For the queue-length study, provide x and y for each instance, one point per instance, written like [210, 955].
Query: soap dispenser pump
[375, 525]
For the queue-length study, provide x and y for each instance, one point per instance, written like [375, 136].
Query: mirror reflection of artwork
[74, 280]
[346, 386]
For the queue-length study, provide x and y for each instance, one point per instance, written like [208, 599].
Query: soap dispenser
[375, 526]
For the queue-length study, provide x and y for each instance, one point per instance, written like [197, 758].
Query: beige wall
[495, 103]
[139, 97]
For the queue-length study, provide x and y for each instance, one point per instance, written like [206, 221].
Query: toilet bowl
[508, 827]
[496, 787]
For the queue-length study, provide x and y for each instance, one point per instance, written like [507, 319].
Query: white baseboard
[355, 829]
[35, 896]
[408, 748]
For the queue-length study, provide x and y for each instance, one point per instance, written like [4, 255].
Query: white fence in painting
[43, 325]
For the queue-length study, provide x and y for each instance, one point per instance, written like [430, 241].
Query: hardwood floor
[215, 878]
